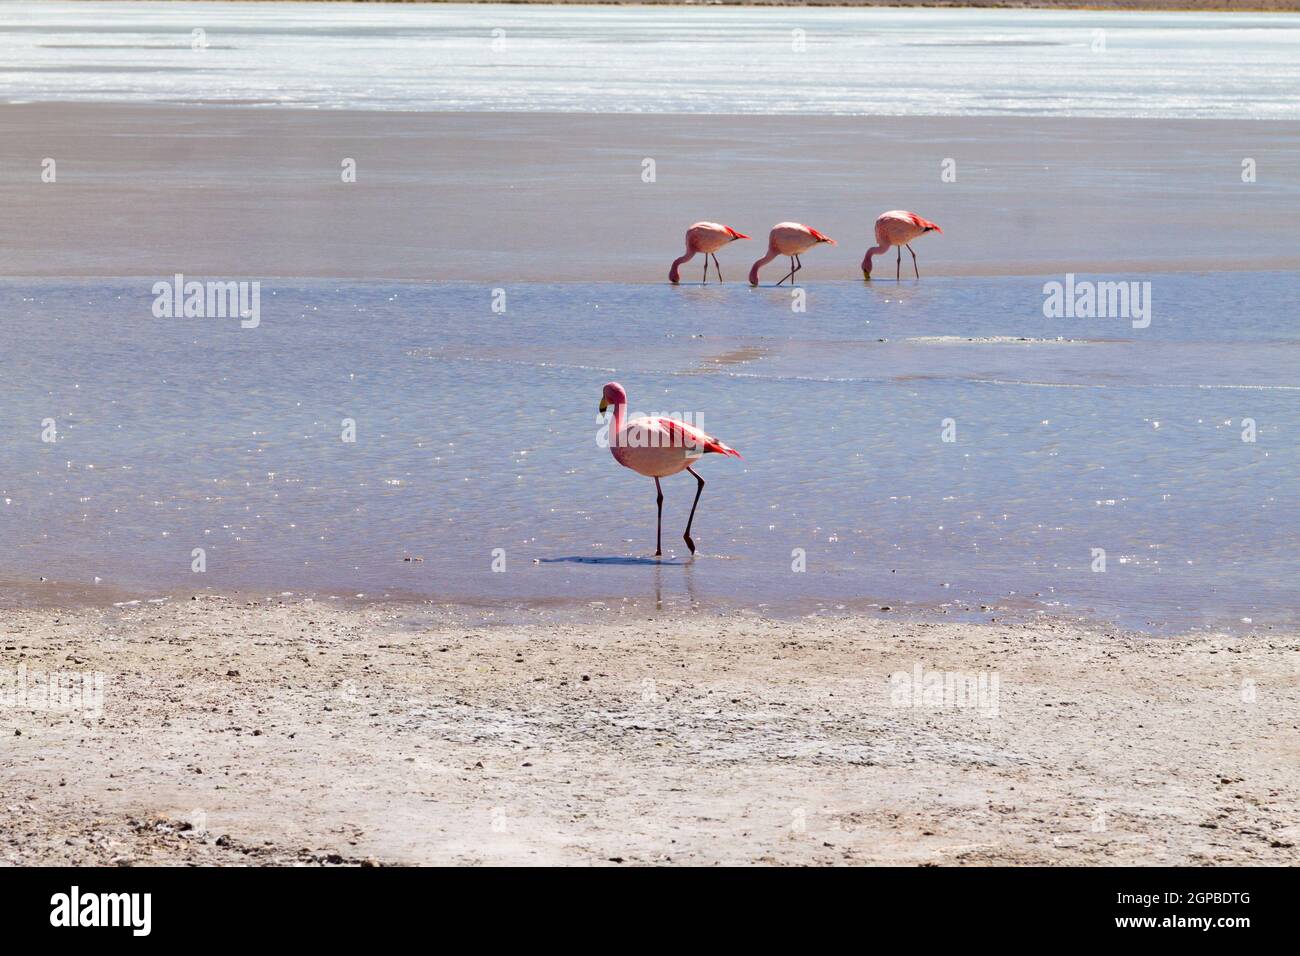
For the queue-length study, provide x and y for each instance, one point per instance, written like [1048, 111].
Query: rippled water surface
[478, 430]
[704, 59]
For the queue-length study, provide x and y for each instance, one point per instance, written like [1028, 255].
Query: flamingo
[657, 448]
[708, 238]
[897, 228]
[788, 239]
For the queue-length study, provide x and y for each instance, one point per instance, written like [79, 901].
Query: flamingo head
[614, 395]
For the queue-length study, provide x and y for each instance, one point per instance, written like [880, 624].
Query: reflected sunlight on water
[476, 431]
[703, 59]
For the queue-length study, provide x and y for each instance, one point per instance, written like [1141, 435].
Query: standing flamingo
[708, 238]
[788, 239]
[657, 448]
[897, 228]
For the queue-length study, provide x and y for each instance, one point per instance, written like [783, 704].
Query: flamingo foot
[689, 543]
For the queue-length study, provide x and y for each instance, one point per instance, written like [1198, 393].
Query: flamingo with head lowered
[708, 238]
[788, 239]
[897, 228]
[657, 448]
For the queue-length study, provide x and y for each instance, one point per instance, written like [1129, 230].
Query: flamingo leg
[798, 265]
[706, 269]
[698, 491]
[898, 264]
[790, 276]
[718, 269]
[659, 525]
[914, 268]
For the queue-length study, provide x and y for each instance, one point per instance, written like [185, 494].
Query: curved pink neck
[873, 251]
[673, 274]
[753, 271]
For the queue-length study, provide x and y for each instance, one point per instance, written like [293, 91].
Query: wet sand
[235, 734]
[499, 197]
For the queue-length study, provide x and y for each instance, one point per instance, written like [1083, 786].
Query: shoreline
[292, 735]
[417, 608]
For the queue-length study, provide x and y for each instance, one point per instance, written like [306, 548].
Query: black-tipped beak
[604, 404]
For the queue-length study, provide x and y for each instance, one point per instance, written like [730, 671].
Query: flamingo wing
[691, 437]
[924, 223]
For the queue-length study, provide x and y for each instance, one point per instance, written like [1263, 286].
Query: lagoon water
[478, 430]
[703, 59]
[1170, 448]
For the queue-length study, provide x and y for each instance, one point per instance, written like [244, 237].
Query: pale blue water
[656, 59]
[478, 431]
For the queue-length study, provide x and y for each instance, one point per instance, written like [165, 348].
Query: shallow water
[477, 430]
[702, 59]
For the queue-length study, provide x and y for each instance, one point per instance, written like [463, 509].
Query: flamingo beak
[866, 275]
[604, 404]
[739, 235]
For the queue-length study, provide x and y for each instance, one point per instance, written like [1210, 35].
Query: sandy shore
[237, 734]
[229, 192]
